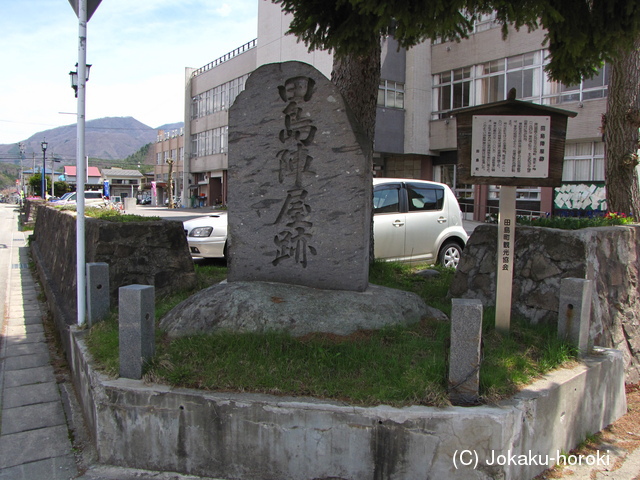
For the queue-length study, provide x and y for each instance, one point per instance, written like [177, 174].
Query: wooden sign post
[511, 144]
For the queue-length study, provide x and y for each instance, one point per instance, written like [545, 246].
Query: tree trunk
[621, 125]
[358, 79]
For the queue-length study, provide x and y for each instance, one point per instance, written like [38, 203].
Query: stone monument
[300, 200]
[299, 183]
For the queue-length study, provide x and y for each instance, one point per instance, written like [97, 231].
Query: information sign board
[510, 146]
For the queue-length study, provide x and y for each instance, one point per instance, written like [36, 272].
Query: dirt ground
[621, 440]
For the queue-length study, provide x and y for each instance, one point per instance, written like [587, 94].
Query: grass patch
[575, 223]
[116, 215]
[397, 365]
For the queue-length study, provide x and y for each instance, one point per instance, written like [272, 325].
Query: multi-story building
[122, 183]
[420, 89]
[169, 166]
[92, 182]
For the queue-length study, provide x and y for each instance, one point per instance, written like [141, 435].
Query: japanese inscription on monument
[299, 183]
[510, 146]
[294, 240]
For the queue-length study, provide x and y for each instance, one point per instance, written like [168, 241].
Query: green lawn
[396, 366]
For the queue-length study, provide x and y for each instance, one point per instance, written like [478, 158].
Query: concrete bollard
[137, 328]
[464, 353]
[98, 302]
[130, 204]
[574, 313]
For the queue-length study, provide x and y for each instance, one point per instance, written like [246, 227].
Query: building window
[596, 87]
[491, 81]
[210, 142]
[451, 90]
[583, 162]
[218, 98]
[391, 94]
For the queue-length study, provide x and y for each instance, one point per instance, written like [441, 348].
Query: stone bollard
[98, 302]
[464, 353]
[137, 328]
[574, 312]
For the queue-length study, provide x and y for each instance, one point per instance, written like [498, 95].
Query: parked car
[207, 236]
[417, 221]
[413, 221]
[91, 198]
[62, 198]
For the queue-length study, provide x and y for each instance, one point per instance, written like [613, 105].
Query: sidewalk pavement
[39, 413]
[34, 439]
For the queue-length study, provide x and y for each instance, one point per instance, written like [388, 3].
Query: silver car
[414, 221]
[417, 221]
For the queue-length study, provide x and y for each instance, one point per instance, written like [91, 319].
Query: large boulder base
[299, 310]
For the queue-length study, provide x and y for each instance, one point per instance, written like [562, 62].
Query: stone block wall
[147, 253]
[610, 256]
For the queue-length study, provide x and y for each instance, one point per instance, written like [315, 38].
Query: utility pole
[170, 182]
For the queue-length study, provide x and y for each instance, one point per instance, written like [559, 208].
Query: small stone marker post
[574, 314]
[464, 353]
[137, 328]
[98, 302]
[300, 187]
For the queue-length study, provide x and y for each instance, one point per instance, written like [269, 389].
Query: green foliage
[116, 215]
[576, 223]
[35, 182]
[582, 34]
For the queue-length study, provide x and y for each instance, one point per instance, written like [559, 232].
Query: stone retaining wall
[147, 252]
[610, 256]
[261, 437]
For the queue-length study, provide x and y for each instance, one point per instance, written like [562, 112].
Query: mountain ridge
[108, 138]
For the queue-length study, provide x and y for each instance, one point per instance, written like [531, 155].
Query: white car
[417, 221]
[207, 236]
[91, 198]
[413, 221]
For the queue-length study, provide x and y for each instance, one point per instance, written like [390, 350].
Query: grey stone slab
[250, 306]
[464, 353]
[28, 376]
[34, 328]
[16, 330]
[20, 362]
[32, 417]
[26, 349]
[37, 337]
[41, 444]
[25, 447]
[98, 299]
[136, 328]
[33, 319]
[299, 183]
[574, 311]
[56, 468]
[30, 394]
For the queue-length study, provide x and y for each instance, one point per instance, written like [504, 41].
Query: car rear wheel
[449, 255]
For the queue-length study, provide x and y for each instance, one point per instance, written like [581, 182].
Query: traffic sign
[92, 5]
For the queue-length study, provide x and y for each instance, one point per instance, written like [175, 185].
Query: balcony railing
[228, 56]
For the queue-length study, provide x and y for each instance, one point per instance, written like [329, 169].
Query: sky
[138, 50]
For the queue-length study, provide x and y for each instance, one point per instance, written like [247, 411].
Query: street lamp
[44, 146]
[22, 150]
[53, 168]
[74, 78]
